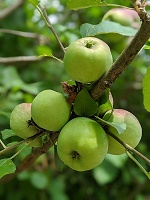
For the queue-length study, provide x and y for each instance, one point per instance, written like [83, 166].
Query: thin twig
[42, 10]
[9, 60]
[24, 34]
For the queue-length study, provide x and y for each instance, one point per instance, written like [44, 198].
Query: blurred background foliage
[117, 177]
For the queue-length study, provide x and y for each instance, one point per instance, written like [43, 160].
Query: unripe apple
[131, 135]
[50, 110]
[82, 144]
[19, 123]
[123, 16]
[87, 59]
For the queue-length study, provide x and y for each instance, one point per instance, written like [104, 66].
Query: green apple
[87, 59]
[123, 16]
[82, 144]
[19, 118]
[50, 110]
[131, 136]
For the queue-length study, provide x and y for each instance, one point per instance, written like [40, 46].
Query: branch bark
[25, 34]
[10, 60]
[125, 58]
[4, 13]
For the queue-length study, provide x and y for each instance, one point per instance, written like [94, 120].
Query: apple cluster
[83, 140]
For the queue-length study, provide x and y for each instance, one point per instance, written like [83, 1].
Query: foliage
[117, 177]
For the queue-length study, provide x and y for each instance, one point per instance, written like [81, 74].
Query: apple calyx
[75, 155]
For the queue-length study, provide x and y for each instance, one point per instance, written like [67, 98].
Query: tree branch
[42, 10]
[125, 58]
[26, 34]
[4, 13]
[28, 161]
[10, 60]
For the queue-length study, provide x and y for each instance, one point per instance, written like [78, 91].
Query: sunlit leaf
[34, 2]
[105, 27]
[6, 167]
[84, 105]
[146, 90]
[80, 4]
[44, 51]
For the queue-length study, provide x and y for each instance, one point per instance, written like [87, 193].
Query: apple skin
[132, 135]
[82, 144]
[19, 118]
[87, 59]
[50, 110]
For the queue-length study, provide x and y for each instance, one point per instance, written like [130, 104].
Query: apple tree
[76, 99]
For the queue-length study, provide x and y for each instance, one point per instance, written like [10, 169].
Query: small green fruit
[132, 135]
[123, 16]
[87, 59]
[19, 121]
[50, 110]
[82, 144]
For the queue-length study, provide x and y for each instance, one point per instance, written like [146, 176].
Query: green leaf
[44, 51]
[105, 27]
[146, 90]
[84, 105]
[104, 103]
[80, 4]
[34, 2]
[7, 133]
[120, 127]
[6, 167]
